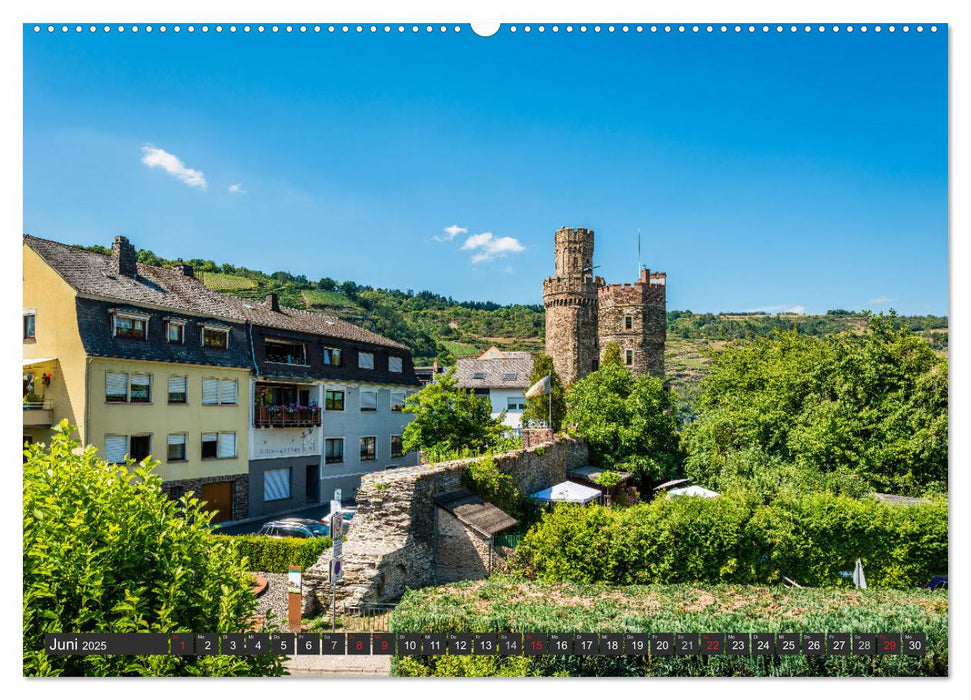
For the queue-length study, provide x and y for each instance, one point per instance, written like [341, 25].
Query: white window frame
[396, 360]
[343, 442]
[360, 356]
[341, 389]
[360, 402]
[30, 313]
[404, 397]
[115, 315]
[368, 437]
[151, 388]
[219, 391]
[185, 447]
[170, 322]
[332, 349]
[202, 439]
[168, 395]
[520, 403]
[219, 445]
[212, 327]
[127, 387]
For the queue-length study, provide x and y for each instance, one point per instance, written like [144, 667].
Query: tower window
[628, 323]
[630, 357]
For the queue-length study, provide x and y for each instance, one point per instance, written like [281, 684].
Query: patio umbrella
[859, 580]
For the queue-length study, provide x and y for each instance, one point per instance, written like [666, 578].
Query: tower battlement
[584, 313]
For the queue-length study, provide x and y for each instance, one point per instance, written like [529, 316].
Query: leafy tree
[538, 408]
[850, 412]
[106, 551]
[628, 423]
[450, 419]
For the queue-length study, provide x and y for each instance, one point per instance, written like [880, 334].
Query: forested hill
[435, 326]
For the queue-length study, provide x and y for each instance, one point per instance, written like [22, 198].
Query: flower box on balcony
[289, 416]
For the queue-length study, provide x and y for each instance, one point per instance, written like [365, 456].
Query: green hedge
[276, 554]
[809, 539]
[495, 606]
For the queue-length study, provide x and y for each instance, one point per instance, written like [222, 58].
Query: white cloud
[157, 158]
[779, 309]
[489, 247]
[237, 189]
[450, 233]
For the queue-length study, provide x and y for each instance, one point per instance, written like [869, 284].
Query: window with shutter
[228, 391]
[210, 392]
[394, 364]
[276, 484]
[227, 445]
[369, 401]
[178, 389]
[397, 401]
[116, 387]
[176, 447]
[365, 360]
[209, 445]
[116, 447]
[141, 388]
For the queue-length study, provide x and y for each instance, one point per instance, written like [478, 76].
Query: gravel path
[273, 601]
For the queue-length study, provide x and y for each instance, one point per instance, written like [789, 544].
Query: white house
[502, 377]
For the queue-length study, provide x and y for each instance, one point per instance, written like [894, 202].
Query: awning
[693, 491]
[567, 492]
[667, 484]
[39, 361]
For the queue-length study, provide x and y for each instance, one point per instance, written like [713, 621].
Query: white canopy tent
[567, 492]
[692, 490]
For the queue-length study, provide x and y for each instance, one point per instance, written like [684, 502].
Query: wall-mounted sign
[278, 443]
[295, 579]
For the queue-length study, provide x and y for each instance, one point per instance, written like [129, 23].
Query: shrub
[498, 606]
[485, 480]
[277, 554]
[106, 551]
[738, 539]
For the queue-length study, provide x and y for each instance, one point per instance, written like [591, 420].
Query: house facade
[229, 395]
[500, 377]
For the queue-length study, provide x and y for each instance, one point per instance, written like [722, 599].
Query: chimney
[273, 301]
[123, 257]
[645, 276]
[185, 270]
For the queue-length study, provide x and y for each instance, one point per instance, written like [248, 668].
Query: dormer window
[478, 375]
[175, 332]
[365, 360]
[215, 337]
[510, 376]
[394, 364]
[129, 325]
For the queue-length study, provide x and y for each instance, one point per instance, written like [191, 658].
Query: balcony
[40, 413]
[286, 416]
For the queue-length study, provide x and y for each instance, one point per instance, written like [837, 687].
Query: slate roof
[471, 510]
[91, 275]
[494, 365]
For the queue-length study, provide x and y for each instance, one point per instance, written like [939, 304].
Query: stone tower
[570, 298]
[635, 317]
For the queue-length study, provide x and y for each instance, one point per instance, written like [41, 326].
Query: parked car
[294, 527]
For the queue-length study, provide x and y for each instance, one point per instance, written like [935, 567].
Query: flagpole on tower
[638, 252]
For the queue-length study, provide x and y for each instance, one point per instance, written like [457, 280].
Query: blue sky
[765, 171]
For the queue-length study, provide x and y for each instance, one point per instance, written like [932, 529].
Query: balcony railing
[287, 416]
[38, 412]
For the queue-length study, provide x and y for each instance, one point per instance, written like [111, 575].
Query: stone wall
[536, 436]
[392, 540]
[644, 303]
[461, 553]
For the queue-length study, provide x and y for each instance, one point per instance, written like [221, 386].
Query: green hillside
[435, 326]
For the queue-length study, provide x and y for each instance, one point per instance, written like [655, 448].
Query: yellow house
[144, 361]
